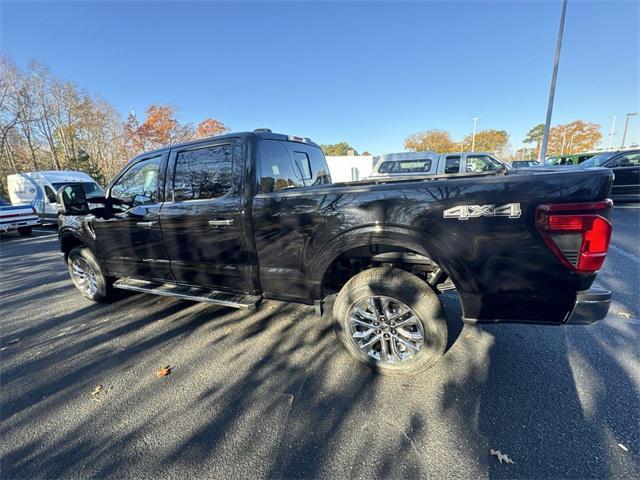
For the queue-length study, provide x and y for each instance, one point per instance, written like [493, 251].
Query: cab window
[311, 166]
[139, 184]
[286, 165]
[406, 166]
[51, 196]
[452, 164]
[203, 173]
[627, 160]
[276, 168]
[482, 163]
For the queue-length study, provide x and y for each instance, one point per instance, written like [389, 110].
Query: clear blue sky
[367, 73]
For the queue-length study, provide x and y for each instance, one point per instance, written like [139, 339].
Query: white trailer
[349, 168]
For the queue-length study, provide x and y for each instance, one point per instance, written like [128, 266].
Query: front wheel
[87, 276]
[391, 320]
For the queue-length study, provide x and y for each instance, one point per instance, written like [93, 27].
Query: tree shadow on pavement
[273, 394]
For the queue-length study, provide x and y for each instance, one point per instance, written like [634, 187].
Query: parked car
[417, 164]
[570, 158]
[525, 163]
[40, 189]
[240, 217]
[17, 217]
[626, 169]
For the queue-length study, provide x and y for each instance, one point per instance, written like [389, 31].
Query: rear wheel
[24, 231]
[87, 276]
[391, 320]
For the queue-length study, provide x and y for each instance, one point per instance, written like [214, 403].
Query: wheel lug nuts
[386, 335]
[378, 331]
[393, 330]
[376, 324]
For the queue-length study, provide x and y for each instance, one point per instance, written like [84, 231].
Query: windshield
[91, 189]
[598, 160]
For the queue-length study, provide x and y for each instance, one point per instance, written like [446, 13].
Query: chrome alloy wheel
[386, 329]
[84, 276]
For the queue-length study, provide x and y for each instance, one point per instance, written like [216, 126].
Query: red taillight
[576, 232]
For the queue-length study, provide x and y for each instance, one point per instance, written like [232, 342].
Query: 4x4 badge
[465, 212]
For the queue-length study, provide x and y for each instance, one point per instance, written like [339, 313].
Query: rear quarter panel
[500, 266]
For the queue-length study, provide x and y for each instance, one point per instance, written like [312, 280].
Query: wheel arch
[393, 238]
[69, 240]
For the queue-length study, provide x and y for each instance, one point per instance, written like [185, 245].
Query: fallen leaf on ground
[623, 447]
[501, 456]
[96, 390]
[163, 372]
[624, 314]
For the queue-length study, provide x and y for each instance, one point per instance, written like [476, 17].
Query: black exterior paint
[282, 243]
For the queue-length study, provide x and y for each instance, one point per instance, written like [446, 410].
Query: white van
[39, 189]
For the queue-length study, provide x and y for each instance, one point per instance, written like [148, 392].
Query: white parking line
[627, 206]
[630, 256]
[43, 231]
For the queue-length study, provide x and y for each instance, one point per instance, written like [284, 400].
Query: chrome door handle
[220, 223]
[145, 224]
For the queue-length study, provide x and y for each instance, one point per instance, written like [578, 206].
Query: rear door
[203, 221]
[626, 168]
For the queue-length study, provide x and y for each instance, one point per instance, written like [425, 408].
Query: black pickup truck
[240, 217]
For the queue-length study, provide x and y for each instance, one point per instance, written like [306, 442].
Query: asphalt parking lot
[273, 394]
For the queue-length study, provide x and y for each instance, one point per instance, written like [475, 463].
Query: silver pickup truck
[411, 164]
[17, 217]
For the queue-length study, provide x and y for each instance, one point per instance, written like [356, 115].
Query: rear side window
[203, 173]
[406, 166]
[303, 165]
[452, 164]
[285, 165]
[276, 167]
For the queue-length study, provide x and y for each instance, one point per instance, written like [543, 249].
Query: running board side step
[197, 294]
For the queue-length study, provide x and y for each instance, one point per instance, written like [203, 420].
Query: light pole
[626, 124]
[473, 138]
[612, 132]
[552, 91]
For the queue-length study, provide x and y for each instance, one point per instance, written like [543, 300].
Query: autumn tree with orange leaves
[438, 141]
[574, 137]
[161, 128]
[210, 128]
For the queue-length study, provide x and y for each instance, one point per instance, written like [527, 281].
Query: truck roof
[261, 133]
[55, 175]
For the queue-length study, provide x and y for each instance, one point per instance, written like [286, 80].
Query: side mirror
[72, 200]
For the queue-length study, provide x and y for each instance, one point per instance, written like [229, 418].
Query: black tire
[415, 294]
[82, 256]
[25, 231]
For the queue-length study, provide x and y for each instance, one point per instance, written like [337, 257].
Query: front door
[207, 238]
[128, 232]
[626, 169]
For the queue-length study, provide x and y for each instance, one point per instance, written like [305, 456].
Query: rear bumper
[582, 308]
[591, 305]
[9, 226]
